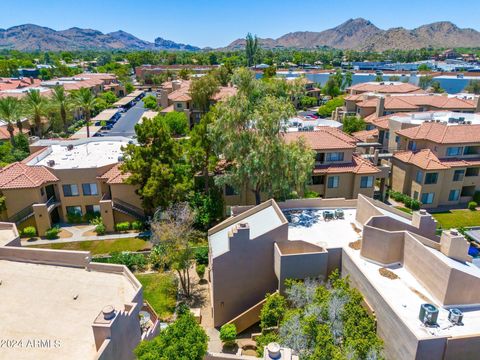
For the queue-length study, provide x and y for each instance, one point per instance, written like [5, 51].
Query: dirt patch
[89, 233]
[388, 274]
[355, 228]
[356, 245]
[64, 234]
[423, 297]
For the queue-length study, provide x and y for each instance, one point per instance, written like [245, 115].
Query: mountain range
[355, 34]
[31, 37]
[361, 34]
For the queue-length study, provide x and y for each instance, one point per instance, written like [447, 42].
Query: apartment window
[419, 177]
[318, 180]
[335, 156]
[415, 195]
[42, 191]
[387, 135]
[366, 181]
[333, 182]
[320, 157]
[431, 178]
[454, 151]
[427, 198]
[179, 105]
[397, 139]
[458, 175]
[230, 191]
[412, 145]
[92, 209]
[74, 210]
[89, 189]
[70, 190]
[471, 172]
[454, 195]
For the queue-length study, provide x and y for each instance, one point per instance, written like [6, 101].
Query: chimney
[454, 245]
[375, 157]
[380, 106]
[176, 85]
[163, 98]
[31, 80]
[424, 222]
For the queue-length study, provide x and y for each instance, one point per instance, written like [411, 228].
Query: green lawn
[457, 218]
[404, 209]
[160, 290]
[97, 247]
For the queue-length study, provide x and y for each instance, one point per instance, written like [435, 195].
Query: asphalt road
[125, 125]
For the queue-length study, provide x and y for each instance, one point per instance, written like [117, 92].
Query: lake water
[451, 84]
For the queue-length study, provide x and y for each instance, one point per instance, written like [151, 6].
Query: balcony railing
[128, 209]
[22, 215]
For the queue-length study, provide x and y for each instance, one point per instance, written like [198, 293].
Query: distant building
[66, 179]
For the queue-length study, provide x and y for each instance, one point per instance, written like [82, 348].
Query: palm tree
[10, 112]
[35, 107]
[61, 101]
[85, 101]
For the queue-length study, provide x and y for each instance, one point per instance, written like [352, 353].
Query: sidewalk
[77, 235]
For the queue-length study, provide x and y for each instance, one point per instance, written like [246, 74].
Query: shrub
[52, 233]
[29, 231]
[228, 334]
[476, 197]
[74, 218]
[200, 271]
[137, 225]
[135, 262]
[311, 194]
[100, 229]
[415, 205]
[201, 255]
[472, 205]
[123, 226]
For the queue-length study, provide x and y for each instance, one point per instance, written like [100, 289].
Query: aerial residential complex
[68, 179]
[257, 249]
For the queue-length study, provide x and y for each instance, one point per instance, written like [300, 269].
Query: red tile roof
[416, 102]
[357, 166]
[114, 175]
[21, 176]
[365, 135]
[323, 138]
[427, 160]
[441, 133]
[386, 88]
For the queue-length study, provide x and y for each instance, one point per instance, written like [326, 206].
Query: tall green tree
[249, 135]
[251, 49]
[473, 87]
[86, 101]
[10, 112]
[184, 339]
[202, 90]
[61, 101]
[352, 124]
[425, 81]
[157, 165]
[35, 106]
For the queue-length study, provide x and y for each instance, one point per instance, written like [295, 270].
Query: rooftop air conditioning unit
[51, 163]
[70, 147]
[455, 316]
[428, 314]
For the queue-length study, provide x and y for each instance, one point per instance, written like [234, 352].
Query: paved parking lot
[125, 126]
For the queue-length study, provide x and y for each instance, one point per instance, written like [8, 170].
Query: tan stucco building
[254, 251]
[58, 304]
[339, 171]
[63, 179]
[438, 164]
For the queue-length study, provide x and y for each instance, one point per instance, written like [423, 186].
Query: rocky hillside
[31, 37]
[361, 34]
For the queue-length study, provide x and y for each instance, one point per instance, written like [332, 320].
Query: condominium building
[175, 96]
[379, 105]
[396, 261]
[58, 304]
[384, 87]
[439, 163]
[69, 179]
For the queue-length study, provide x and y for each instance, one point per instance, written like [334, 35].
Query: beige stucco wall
[18, 199]
[126, 193]
[236, 284]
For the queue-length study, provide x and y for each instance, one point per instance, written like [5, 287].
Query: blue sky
[218, 22]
